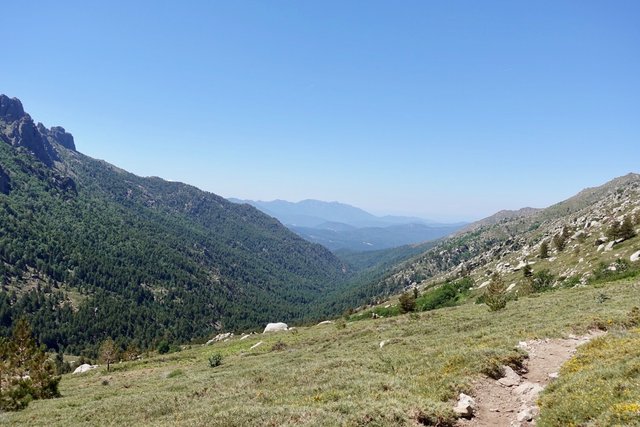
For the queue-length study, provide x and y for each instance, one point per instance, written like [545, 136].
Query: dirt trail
[499, 405]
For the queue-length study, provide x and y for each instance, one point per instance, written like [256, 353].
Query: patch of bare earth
[511, 401]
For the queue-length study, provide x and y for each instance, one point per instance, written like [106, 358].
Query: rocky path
[511, 401]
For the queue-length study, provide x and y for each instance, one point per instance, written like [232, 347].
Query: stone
[383, 343]
[511, 286]
[511, 377]
[635, 256]
[553, 376]
[466, 406]
[528, 391]
[256, 345]
[609, 246]
[84, 368]
[600, 240]
[275, 327]
[600, 247]
[483, 284]
[325, 322]
[244, 337]
[219, 337]
[527, 414]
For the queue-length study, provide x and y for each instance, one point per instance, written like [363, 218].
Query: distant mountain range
[341, 226]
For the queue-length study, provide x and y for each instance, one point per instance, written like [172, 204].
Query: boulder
[275, 327]
[511, 378]
[84, 368]
[244, 337]
[466, 406]
[609, 246]
[635, 256]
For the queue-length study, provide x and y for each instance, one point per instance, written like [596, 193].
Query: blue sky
[449, 110]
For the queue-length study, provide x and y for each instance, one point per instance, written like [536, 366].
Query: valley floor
[338, 374]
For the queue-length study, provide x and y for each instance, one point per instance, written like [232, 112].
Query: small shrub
[215, 360]
[340, 324]
[495, 296]
[542, 281]
[407, 302]
[163, 347]
[279, 346]
[544, 250]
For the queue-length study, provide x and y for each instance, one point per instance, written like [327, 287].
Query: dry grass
[325, 375]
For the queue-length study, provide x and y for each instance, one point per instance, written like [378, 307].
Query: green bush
[496, 296]
[215, 360]
[163, 347]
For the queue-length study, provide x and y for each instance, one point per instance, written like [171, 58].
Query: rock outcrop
[275, 327]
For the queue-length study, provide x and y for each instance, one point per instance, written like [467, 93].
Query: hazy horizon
[448, 111]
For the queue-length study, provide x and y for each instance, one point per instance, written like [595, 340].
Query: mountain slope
[88, 250]
[506, 242]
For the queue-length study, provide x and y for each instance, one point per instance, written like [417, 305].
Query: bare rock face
[11, 109]
[17, 129]
[57, 134]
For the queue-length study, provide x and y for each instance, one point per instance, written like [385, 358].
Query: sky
[449, 110]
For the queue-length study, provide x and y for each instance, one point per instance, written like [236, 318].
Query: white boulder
[84, 368]
[635, 256]
[219, 337]
[275, 327]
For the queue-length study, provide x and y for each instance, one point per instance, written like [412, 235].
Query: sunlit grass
[330, 375]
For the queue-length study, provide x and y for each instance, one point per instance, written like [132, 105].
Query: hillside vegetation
[89, 251]
[340, 374]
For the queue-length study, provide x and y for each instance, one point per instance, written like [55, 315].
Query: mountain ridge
[138, 259]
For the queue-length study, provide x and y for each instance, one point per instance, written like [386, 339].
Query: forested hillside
[88, 250]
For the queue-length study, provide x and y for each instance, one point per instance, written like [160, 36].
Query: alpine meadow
[380, 214]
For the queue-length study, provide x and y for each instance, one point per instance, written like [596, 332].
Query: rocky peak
[58, 135]
[10, 109]
[18, 129]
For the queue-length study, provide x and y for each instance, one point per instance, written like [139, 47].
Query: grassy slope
[329, 375]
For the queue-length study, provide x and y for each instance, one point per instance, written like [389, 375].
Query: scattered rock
[511, 378]
[511, 286]
[275, 327]
[244, 337]
[256, 345]
[84, 368]
[635, 256]
[553, 376]
[325, 322]
[483, 284]
[609, 246]
[465, 407]
[601, 240]
[219, 337]
[527, 414]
